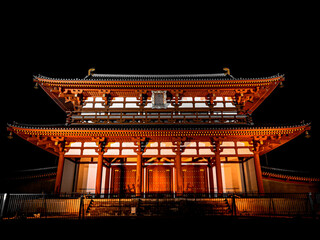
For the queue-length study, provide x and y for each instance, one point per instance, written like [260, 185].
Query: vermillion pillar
[211, 181]
[218, 169]
[258, 171]
[179, 179]
[57, 186]
[101, 142]
[178, 142]
[139, 174]
[99, 173]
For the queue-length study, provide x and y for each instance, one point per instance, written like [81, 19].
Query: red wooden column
[215, 141]
[99, 174]
[257, 166]
[139, 174]
[179, 179]
[211, 180]
[57, 186]
[217, 151]
[100, 150]
[178, 142]
[107, 178]
[139, 150]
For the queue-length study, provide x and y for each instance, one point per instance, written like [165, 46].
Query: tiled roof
[154, 126]
[154, 77]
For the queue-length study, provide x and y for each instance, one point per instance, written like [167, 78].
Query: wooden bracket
[101, 142]
[178, 142]
[106, 96]
[176, 95]
[216, 144]
[141, 143]
[142, 96]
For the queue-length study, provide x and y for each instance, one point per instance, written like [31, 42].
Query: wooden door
[159, 179]
[123, 179]
[195, 179]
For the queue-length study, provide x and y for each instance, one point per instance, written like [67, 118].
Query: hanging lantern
[36, 86]
[307, 134]
[10, 136]
[281, 85]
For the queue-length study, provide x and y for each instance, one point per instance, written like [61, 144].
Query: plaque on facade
[159, 99]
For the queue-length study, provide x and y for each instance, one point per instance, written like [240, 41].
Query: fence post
[81, 208]
[5, 198]
[311, 205]
[234, 211]
[45, 204]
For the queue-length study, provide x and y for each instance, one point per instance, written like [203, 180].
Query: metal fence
[79, 206]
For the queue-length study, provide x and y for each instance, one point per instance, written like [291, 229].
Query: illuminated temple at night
[149, 134]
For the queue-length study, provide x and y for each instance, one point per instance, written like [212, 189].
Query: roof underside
[270, 137]
[250, 92]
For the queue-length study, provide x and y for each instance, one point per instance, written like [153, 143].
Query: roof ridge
[160, 75]
[209, 76]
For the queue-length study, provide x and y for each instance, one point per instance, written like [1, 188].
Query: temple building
[146, 134]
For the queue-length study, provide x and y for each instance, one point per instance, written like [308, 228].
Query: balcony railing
[156, 117]
[78, 206]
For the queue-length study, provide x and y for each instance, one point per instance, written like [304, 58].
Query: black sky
[256, 45]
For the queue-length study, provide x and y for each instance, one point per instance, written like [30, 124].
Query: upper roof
[248, 92]
[213, 77]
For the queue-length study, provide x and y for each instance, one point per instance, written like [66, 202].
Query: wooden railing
[79, 206]
[184, 116]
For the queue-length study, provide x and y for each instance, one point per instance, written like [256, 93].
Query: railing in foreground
[80, 206]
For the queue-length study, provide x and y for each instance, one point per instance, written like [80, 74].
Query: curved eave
[270, 137]
[158, 83]
[142, 129]
[289, 178]
[47, 137]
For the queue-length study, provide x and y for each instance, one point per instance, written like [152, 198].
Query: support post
[179, 179]
[139, 174]
[141, 145]
[101, 149]
[211, 181]
[99, 174]
[217, 150]
[107, 188]
[57, 186]
[218, 170]
[258, 171]
[178, 149]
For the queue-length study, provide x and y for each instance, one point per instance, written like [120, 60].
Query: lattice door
[195, 179]
[159, 179]
[123, 179]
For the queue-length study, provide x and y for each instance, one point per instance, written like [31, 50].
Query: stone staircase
[157, 207]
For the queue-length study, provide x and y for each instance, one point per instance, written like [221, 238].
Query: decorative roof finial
[90, 71]
[227, 71]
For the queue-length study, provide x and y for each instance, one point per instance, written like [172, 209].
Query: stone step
[114, 207]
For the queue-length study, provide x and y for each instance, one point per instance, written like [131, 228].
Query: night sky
[253, 47]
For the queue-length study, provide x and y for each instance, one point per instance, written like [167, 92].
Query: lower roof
[106, 127]
[48, 136]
